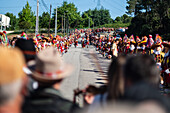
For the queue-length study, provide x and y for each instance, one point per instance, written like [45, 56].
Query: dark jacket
[47, 100]
[142, 91]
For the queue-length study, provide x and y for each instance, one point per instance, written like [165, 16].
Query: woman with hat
[166, 64]
[49, 72]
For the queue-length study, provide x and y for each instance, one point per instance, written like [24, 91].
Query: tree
[13, 21]
[86, 19]
[123, 19]
[118, 19]
[99, 17]
[151, 17]
[72, 17]
[26, 18]
[44, 20]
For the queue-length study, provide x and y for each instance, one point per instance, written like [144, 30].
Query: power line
[115, 7]
[118, 3]
[15, 6]
[44, 4]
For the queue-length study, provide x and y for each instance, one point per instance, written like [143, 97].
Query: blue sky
[116, 7]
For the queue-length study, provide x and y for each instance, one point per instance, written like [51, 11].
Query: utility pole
[49, 21]
[89, 22]
[56, 23]
[37, 18]
[64, 23]
[67, 25]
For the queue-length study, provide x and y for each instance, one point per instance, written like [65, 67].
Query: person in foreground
[49, 72]
[11, 80]
[141, 82]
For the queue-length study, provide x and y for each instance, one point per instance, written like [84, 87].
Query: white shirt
[114, 48]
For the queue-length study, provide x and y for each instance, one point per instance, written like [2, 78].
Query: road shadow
[94, 71]
[101, 83]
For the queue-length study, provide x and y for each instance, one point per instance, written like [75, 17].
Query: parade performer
[88, 42]
[132, 44]
[38, 37]
[143, 44]
[166, 64]
[150, 42]
[24, 36]
[108, 51]
[115, 48]
[6, 40]
[83, 43]
[158, 54]
[138, 41]
[75, 42]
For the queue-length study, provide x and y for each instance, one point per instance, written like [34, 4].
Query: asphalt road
[85, 69]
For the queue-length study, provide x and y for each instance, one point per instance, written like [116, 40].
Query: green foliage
[86, 20]
[99, 17]
[44, 20]
[13, 21]
[72, 16]
[151, 17]
[26, 18]
[115, 25]
[123, 19]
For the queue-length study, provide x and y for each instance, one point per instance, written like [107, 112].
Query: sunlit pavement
[85, 69]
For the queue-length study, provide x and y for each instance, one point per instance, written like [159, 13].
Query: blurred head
[166, 49]
[115, 80]
[12, 75]
[90, 93]
[27, 47]
[141, 68]
[117, 41]
[9, 92]
[50, 69]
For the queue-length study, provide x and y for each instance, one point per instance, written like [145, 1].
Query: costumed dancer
[24, 36]
[138, 41]
[88, 42]
[75, 42]
[109, 46]
[166, 64]
[6, 40]
[132, 44]
[115, 48]
[83, 43]
[143, 44]
[127, 47]
[158, 54]
[150, 42]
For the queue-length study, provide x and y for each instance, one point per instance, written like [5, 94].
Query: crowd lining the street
[32, 70]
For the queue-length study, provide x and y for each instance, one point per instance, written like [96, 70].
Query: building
[4, 22]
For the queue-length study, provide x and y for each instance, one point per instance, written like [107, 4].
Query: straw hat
[11, 66]
[50, 67]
